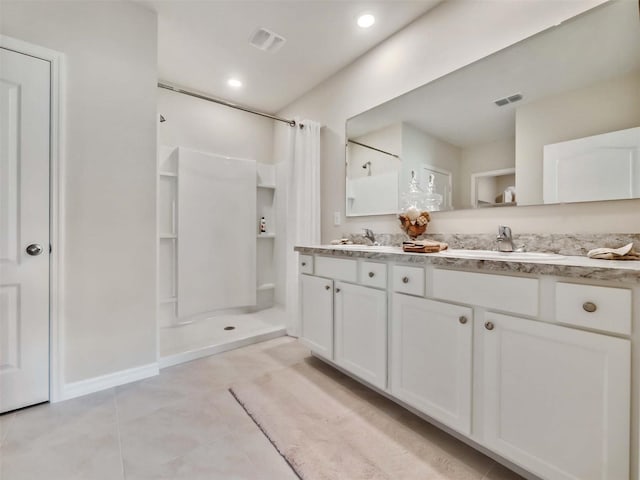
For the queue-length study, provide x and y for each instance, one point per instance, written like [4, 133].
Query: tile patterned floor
[180, 425]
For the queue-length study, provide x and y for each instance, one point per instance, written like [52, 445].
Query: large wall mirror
[552, 119]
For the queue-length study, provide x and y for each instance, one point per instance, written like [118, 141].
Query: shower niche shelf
[265, 207]
[167, 235]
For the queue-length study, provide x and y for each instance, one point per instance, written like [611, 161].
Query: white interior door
[24, 230]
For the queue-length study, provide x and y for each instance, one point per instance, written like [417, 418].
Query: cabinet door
[430, 365]
[361, 332]
[316, 297]
[557, 400]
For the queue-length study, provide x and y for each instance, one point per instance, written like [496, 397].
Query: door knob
[34, 249]
[371, 274]
[489, 325]
[405, 279]
[462, 320]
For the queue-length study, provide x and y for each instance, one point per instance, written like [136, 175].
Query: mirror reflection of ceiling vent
[501, 102]
[267, 40]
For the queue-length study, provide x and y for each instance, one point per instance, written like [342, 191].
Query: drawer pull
[489, 325]
[405, 279]
[589, 307]
[304, 264]
[337, 290]
[462, 320]
[371, 274]
[327, 287]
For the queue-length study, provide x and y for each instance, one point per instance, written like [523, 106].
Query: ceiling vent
[501, 102]
[267, 40]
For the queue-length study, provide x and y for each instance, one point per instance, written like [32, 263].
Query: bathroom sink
[494, 255]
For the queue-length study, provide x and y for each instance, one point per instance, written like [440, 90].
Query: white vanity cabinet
[431, 362]
[360, 326]
[556, 400]
[345, 322]
[316, 308]
[535, 368]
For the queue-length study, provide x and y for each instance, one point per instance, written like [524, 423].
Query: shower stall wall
[216, 232]
[211, 254]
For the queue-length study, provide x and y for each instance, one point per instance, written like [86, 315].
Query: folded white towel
[623, 253]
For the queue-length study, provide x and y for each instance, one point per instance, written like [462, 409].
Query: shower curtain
[303, 205]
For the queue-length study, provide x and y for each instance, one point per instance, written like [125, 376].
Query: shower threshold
[210, 336]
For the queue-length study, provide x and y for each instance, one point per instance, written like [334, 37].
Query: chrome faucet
[504, 239]
[368, 234]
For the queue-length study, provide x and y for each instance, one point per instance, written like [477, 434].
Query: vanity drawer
[497, 292]
[337, 268]
[373, 274]
[600, 308]
[305, 262]
[408, 280]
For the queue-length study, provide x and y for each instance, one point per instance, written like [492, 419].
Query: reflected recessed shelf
[265, 185]
[168, 174]
[266, 286]
[168, 235]
[266, 235]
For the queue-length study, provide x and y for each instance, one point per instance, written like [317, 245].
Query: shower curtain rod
[291, 123]
[373, 148]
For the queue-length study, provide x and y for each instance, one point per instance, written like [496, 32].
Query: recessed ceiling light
[234, 82]
[366, 20]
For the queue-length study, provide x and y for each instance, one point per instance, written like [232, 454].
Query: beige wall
[604, 107]
[108, 321]
[484, 158]
[450, 36]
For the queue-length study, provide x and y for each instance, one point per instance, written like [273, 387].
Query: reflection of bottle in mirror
[433, 200]
[263, 225]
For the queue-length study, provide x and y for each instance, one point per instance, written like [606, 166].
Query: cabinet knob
[337, 290]
[489, 325]
[371, 274]
[589, 307]
[327, 287]
[405, 279]
[462, 320]
[304, 264]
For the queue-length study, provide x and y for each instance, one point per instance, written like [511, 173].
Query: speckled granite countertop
[567, 266]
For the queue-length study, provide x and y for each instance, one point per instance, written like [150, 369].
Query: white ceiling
[203, 43]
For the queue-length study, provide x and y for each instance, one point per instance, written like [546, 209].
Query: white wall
[108, 321]
[448, 37]
[213, 128]
[388, 139]
[419, 149]
[604, 107]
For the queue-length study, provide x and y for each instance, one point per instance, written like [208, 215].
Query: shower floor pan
[212, 335]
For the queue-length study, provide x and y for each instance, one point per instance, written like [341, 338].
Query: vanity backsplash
[563, 244]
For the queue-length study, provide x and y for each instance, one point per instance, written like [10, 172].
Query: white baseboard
[103, 382]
